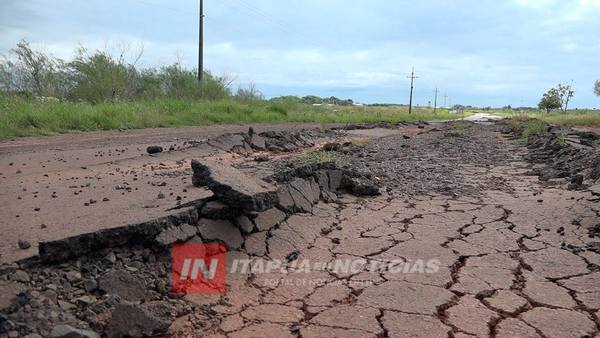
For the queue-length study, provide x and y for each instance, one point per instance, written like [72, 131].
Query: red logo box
[199, 269]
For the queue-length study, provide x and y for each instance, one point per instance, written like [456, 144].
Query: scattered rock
[292, 256]
[262, 158]
[20, 276]
[123, 284]
[154, 150]
[90, 285]
[132, 320]
[73, 276]
[24, 245]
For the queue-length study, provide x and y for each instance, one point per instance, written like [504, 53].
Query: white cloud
[557, 12]
[537, 4]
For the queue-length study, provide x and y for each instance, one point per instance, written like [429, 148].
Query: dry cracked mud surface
[480, 245]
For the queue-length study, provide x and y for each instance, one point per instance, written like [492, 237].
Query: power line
[436, 91]
[412, 78]
[283, 25]
[201, 42]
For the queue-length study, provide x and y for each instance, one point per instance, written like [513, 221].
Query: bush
[99, 76]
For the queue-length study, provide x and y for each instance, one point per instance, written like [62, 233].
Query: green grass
[25, 117]
[322, 156]
[461, 125]
[527, 127]
[571, 118]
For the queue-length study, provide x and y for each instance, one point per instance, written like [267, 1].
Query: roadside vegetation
[26, 117]
[526, 127]
[553, 108]
[573, 117]
[99, 90]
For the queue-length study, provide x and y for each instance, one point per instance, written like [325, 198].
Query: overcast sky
[480, 52]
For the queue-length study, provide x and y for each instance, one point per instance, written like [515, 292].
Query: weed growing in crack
[461, 125]
[527, 127]
[322, 156]
[562, 138]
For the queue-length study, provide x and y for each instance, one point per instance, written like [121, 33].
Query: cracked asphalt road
[513, 261]
[515, 256]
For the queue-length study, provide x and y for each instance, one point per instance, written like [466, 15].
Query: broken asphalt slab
[233, 187]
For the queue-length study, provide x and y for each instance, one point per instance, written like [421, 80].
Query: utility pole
[445, 98]
[435, 101]
[412, 78]
[201, 42]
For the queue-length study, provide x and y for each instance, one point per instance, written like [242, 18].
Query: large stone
[131, 320]
[123, 284]
[66, 331]
[233, 187]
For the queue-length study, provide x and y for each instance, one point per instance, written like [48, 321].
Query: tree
[597, 88]
[33, 72]
[557, 97]
[565, 93]
[550, 101]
